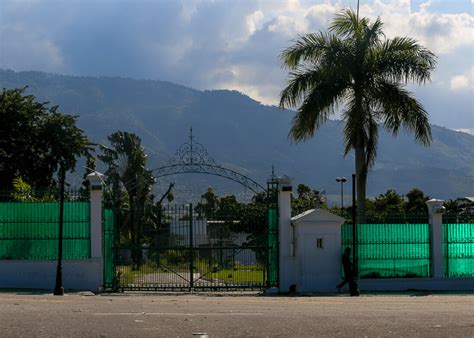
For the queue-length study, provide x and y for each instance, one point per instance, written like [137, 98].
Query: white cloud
[441, 32]
[247, 79]
[459, 82]
[424, 7]
[254, 20]
[188, 9]
[23, 49]
[463, 81]
[253, 91]
[466, 130]
[287, 26]
[321, 14]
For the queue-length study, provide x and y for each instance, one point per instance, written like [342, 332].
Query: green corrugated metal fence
[272, 278]
[109, 248]
[391, 250]
[458, 249]
[29, 230]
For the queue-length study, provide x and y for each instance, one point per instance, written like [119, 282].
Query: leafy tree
[303, 191]
[386, 208]
[84, 191]
[306, 199]
[451, 205]
[390, 202]
[36, 140]
[416, 201]
[353, 67]
[261, 197]
[208, 206]
[156, 222]
[233, 217]
[393, 208]
[22, 191]
[228, 205]
[460, 210]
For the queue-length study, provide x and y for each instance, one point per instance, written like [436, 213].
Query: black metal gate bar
[191, 246]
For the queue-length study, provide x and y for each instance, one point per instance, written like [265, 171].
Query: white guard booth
[317, 250]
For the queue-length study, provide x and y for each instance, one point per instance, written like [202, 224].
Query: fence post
[191, 248]
[284, 233]
[436, 211]
[96, 184]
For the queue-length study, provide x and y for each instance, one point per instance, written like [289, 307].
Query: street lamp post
[58, 287]
[342, 180]
[357, 10]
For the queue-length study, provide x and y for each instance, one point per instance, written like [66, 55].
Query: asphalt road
[187, 315]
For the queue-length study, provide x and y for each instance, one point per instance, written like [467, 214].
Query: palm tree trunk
[361, 181]
[360, 154]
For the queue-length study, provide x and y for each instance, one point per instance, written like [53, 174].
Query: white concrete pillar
[286, 266]
[436, 211]
[284, 208]
[96, 186]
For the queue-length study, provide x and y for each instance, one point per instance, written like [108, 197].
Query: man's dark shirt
[347, 264]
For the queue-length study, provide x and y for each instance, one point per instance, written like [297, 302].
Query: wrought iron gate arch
[210, 169]
[193, 158]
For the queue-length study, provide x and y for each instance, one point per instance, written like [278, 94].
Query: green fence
[109, 248]
[458, 249]
[391, 250]
[273, 267]
[29, 230]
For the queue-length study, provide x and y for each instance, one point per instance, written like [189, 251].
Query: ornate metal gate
[193, 248]
[190, 250]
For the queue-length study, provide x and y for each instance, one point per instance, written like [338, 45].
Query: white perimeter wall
[318, 269]
[421, 284]
[84, 274]
[77, 274]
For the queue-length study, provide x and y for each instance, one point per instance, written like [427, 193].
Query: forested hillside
[242, 134]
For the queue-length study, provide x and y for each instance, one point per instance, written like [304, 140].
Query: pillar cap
[434, 202]
[284, 180]
[435, 206]
[96, 178]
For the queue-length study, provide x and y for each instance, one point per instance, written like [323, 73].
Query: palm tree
[353, 69]
[127, 161]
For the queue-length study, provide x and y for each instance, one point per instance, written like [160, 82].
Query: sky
[229, 44]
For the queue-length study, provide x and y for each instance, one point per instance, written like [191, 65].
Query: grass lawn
[129, 276]
[237, 276]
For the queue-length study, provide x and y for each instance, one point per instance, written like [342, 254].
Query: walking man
[348, 274]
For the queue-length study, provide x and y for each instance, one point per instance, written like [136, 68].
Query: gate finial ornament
[191, 153]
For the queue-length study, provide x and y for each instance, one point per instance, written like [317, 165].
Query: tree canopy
[36, 140]
[306, 199]
[416, 201]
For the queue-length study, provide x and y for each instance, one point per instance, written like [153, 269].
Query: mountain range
[246, 136]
